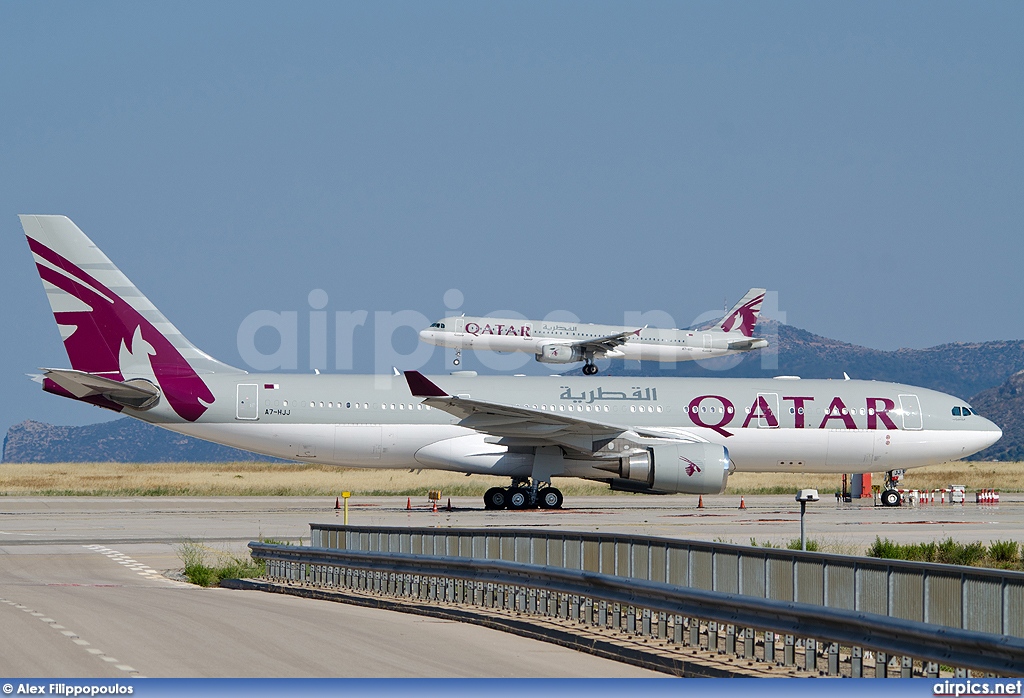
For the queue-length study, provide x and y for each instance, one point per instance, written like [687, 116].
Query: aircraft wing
[526, 426]
[600, 346]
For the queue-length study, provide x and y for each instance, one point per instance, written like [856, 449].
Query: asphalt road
[87, 587]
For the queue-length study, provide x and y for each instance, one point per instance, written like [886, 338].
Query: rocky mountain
[123, 440]
[1004, 405]
[961, 369]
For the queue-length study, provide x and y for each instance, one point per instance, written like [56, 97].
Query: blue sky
[862, 159]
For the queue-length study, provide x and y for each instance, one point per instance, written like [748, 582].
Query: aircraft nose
[992, 432]
[426, 335]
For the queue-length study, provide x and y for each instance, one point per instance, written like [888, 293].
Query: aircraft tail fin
[743, 316]
[110, 329]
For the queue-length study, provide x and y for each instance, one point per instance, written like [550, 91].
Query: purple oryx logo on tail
[111, 329]
[744, 317]
[691, 468]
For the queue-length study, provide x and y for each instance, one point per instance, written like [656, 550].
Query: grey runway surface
[85, 591]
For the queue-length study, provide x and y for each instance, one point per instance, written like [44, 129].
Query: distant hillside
[1004, 405]
[122, 440]
[958, 369]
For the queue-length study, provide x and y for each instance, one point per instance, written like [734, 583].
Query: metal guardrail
[981, 600]
[603, 599]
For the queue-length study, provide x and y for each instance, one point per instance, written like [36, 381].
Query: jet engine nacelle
[675, 468]
[559, 354]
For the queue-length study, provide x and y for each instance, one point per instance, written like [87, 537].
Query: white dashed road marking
[74, 637]
[134, 565]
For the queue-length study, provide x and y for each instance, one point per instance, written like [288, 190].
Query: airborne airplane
[569, 342]
[653, 435]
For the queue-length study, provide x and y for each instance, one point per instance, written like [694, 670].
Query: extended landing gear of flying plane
[522, 496]
[890, 496]
[458, 357]
[589, 369]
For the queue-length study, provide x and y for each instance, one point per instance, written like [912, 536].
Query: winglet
[420, 385]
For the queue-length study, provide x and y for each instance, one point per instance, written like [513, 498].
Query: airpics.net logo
[320, 338]
[977, 688]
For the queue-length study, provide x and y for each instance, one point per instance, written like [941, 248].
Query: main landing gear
[523, 496]
[890, 496]
[589, 369]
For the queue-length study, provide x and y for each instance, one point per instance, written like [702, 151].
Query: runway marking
[75, 638]
[141, 569]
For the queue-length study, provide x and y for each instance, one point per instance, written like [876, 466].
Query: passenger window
[956, 411]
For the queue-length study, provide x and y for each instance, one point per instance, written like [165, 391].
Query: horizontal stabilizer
[139, 394]
[752, 343]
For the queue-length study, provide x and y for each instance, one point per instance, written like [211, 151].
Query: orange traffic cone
[337, 503]
[434, 508]
[449, 504]
[743, 505]
[408, 503]
[700, 502]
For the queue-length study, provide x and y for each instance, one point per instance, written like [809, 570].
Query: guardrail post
[712, 636]
[588, 611]
[531, 601]
[552, 604]
[602, 614]
[906, 667]
[931, 670]
[563, 606]
[730, 639]
[811, 655]
[694, 632]
[769, 646]
[662, 626]
[857, 663]
[645, 625]
[631, 621]
[489, 596]
[833, 659]
[677, 630]
[616, 616]
[959, 673]
[574, 608]
[881, 665]
[789, 651]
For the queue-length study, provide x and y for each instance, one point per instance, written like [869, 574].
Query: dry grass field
[273, 479]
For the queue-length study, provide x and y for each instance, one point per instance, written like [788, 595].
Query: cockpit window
[956, 411]
[967, 411]
[439, 325]
[962, 411]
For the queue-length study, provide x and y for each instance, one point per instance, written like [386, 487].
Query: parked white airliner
[572, 342]
[655, 435]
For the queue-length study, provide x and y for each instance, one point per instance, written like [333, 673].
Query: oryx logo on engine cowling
[691, 468]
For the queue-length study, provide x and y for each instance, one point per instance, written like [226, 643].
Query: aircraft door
[247, 402]
[460, 326]
[772, 400]
[708, 339]
[910, 406]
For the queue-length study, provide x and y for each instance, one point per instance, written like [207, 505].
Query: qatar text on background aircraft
[654, 435]
[572, 342]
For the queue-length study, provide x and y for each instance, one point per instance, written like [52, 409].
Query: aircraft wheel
[891, 498]
[456, 362]
[550, 498]
[589, 370]
[496, 498]
[518, 498]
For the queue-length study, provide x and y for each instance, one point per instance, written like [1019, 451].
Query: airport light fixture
[804, 496]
